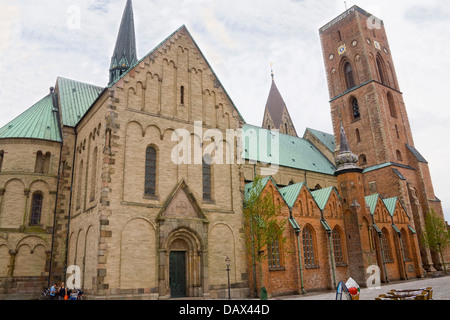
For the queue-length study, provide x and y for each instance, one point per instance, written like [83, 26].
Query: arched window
[404, 239]
[150, 172]
[36, 209]
[362, 159]
[2, 154]
[381, 70]
[391, 103]
[337, 247]
[385, 246]
[349, 78]
[206, 177]
[285, 128]
[355, 109]
[308, 247]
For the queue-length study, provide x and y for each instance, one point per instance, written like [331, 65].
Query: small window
[2, 154]
[182, 95]
[355, 109]
[339, 35]
[399, 155]
[362, 159]
[36, 209]
[396, 131]
[392, 107]
[206, 177]
[358, 136]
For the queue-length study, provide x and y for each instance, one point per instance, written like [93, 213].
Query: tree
[262, 225]
[436, 235]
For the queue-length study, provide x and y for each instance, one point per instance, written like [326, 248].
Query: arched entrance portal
[184, 258]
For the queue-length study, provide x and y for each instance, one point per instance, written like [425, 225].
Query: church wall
[26, 246]
[141, 115]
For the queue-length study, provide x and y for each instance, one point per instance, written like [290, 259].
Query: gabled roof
[371, 202]
[249, 187]
[416, 154]
[326, 138]
[321, 196]
[290, 193]
[390, 204]
[75, 99]
[292, 152]
[166, 41]
[38, 122]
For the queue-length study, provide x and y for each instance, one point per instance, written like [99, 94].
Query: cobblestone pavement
[440, 285]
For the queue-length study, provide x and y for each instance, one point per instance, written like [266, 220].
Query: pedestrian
[62, 292]
[53, 292]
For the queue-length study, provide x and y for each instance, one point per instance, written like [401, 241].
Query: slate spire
[276, 115]
[124, 55]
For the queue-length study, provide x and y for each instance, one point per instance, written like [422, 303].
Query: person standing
[53, 292]
[62, 292]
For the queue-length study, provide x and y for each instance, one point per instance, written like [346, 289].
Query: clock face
[377, 45]
[342, 49]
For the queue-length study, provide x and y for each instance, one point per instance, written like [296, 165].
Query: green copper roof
[38, 122]
[321, 196]
[371, 202]
[75, 99]
[390, 204]
[288, 151]
[326, 138]
[290, 193]
[249, 186]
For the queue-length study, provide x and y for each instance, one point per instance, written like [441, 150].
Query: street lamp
[227, 260]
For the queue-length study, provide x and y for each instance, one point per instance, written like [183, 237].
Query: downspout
[70, 204]
[328, 231]
[58, 114]
[403, 254]
[297, 231]
[386, 279]
[300, 261]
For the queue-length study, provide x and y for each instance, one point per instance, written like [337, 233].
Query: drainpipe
[332, 259]
[382, 259]
[300, 261]
[297, 231]
[58, 115]
[403, 254]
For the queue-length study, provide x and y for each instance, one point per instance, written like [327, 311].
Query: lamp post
[227, 260]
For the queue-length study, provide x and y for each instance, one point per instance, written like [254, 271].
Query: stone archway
[183, 265]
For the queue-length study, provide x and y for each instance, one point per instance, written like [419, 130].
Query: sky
[41, 40]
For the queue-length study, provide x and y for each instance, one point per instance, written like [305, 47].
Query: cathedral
[136, 189]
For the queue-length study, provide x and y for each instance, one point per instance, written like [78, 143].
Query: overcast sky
[41, 40]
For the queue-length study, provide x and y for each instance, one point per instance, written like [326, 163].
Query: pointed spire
[124, 55]
[275, 109]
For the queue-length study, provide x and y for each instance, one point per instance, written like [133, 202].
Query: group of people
[62, 293]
